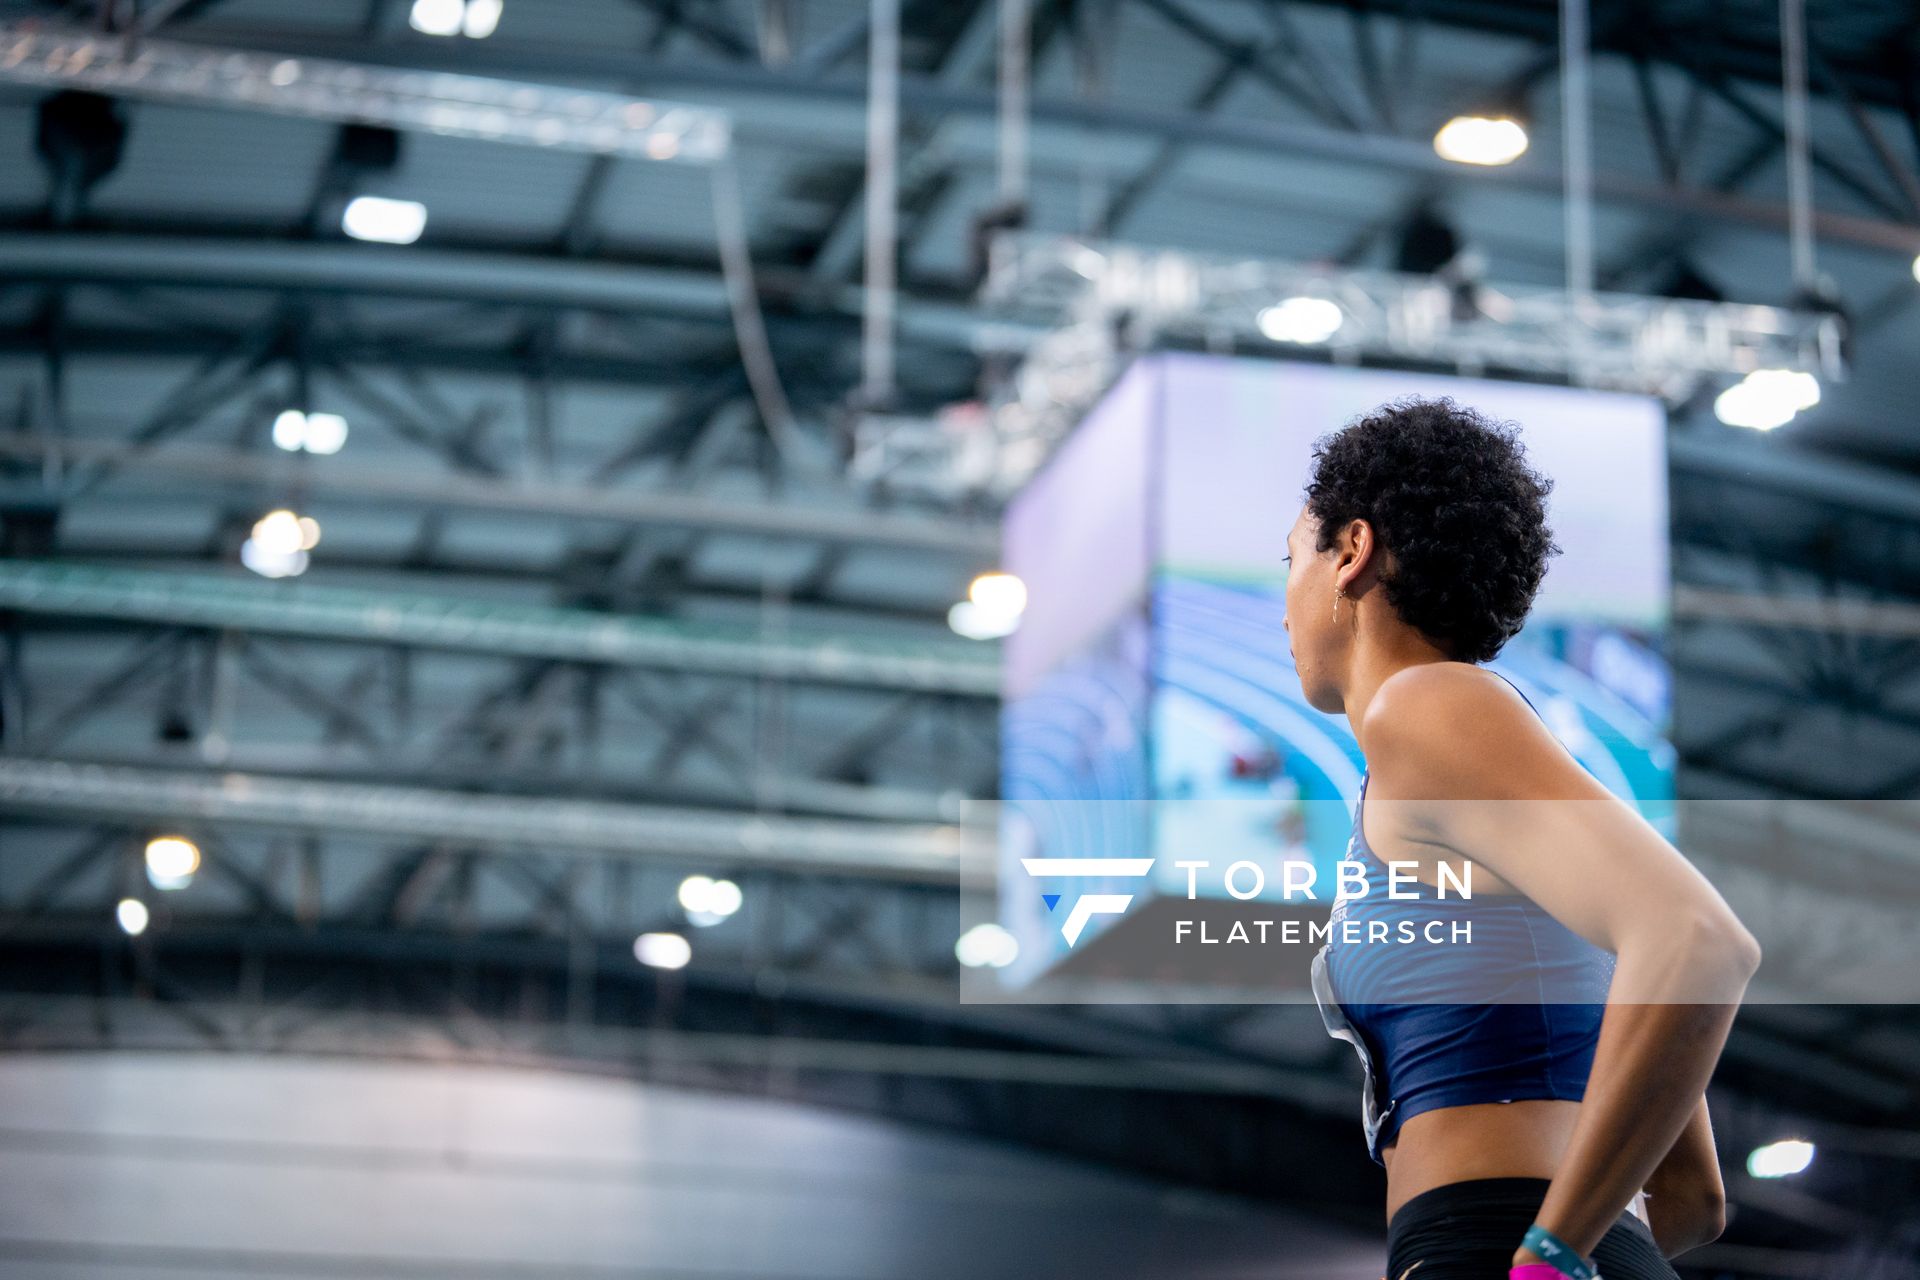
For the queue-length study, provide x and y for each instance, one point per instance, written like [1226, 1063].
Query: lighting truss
[431, 101]
[1107, 301]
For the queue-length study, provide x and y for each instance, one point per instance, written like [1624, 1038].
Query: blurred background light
[694, 891]
[437, 17]
[1302, 320]
[475, 19]
[708, 901]
[968, 619]
[131, 915]
[282, 532]
[1780, 1159]
[280, 544]
[273, 564]
[481, 19]
[290, 430]
[986, 946]
[999, 593]
[171, 862]
[1481, 140]
[992, 608]
[662, 950]
[279, 533]
[326, 433]
[1767, 399]
[297, 432]
[384, 221]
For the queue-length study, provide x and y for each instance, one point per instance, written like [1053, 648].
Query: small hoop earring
[1339, 594]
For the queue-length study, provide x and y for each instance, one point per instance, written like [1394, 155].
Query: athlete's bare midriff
[1481, 1140]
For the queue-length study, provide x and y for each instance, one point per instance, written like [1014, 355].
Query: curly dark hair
[1454, 502]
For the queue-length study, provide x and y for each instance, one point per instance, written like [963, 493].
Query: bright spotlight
[1801, 390]
[296, 432]
[708, 901]
[986, 946]
[280, 543]
[725, 898]
[290, 430]
[482, 19]
[326, 432]
[992, 608]
[437, 17]
[1767, 398]
[1482, 140]
[1780, 1159]
[1738, 406]
[386, 221]
[662, 950]
[1302, 320]
[1916, 266]
[279, 533]
[171, 862]
[970, 620]
[132, 916]
[1001, 593]
[273, 564]
[696, 892]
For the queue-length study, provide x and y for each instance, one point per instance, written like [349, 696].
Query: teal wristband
[1558, 1254]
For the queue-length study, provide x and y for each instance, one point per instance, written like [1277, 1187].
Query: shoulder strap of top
[1517, 689]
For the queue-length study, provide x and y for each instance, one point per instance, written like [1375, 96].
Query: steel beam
[1797, 473]
[203, 469]
[96, 793]
[1839, 615]
[198, 262]
[378, 617]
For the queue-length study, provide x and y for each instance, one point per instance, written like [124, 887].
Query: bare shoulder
[1456, 728]
[1442, 698]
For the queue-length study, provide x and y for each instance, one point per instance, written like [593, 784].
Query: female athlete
[1537, 1095]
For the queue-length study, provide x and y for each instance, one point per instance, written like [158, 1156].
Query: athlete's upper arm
[1469, 765]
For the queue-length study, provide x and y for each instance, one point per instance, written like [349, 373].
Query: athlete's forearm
[1686, 1199]
[1653, 1062]
[1685, 1221]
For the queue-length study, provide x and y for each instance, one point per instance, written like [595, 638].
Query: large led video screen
[1151, 706]
[1233, 741]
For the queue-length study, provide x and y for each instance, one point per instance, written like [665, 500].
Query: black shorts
[1469, 1231]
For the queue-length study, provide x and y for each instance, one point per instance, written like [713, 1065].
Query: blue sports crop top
[1513, 1014]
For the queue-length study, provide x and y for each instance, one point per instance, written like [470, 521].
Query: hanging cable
[1576, 126]
[1016, 22]
[1577, 164]
[883, 196]
[1799, 144]
[743, 303]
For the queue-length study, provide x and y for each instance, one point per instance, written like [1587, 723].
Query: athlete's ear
[1355, 549]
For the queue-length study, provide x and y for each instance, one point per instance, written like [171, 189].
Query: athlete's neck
[1378, 653]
